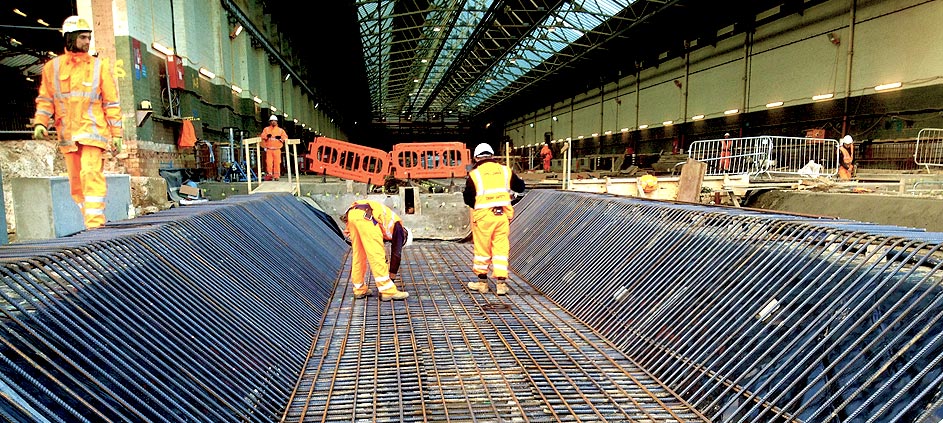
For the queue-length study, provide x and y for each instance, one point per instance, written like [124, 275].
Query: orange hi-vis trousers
[87, 183]
[366, 242]
[490, 233]
[273, 162]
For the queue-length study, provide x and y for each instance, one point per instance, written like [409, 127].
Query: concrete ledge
[897, 210]
[43, 206]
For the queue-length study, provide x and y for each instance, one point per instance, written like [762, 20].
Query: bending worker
[488, 192]
[79, 90]
[369, 223]
[273, 139]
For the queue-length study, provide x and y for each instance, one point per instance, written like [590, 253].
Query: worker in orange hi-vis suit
[368, 224]
[80, 93]
[488, 192]
[726, 145]
[846, 168]
[273, 139]
[546, 155]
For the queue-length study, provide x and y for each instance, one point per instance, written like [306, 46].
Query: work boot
[501, 288]
[364, 294]
[395, 295]
[481, 287]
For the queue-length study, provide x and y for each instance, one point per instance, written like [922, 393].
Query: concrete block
[44, 209]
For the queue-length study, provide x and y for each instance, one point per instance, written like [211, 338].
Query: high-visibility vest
[384, 216]
[492, 185]
[81, 93]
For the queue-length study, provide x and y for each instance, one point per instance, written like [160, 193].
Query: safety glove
[40, 132]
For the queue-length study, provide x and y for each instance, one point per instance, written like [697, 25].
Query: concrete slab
[44, 208]
[275, 186]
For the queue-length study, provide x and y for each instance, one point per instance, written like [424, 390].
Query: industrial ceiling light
[235, 31]
[19, 12]
[257, 100]
[236, 89]
[207, 73]
[890, 86]
[731, 111]
[287, 76]
[697, 117]
[822, 97]
[643, 127]
[161, 48]
[833, 38]
[668, 122]
[42, 22]
[774, 104]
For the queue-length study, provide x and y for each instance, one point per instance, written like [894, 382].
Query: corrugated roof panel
[469, 18]
[560, 29]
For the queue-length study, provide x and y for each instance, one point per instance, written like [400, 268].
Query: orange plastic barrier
[349, 161]
[421, 160]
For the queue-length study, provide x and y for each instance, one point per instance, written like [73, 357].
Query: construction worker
[79, 92]
[546, 154]
[846, 158]
[368, 224]
[488, 192]
[273, 139]
[726, 145]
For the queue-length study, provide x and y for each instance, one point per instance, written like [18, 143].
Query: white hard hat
[75, 24]
[273, 117]
[409, 237]
[483, 149]
[726, 134]
[847, 140]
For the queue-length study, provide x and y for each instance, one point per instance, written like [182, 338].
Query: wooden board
[692, 177]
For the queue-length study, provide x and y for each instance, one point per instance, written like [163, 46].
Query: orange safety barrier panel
[422, 160]
[347, 160]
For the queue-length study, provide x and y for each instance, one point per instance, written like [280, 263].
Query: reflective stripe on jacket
[492, 185]
[80, 91]
[274, 142]
[385, 217]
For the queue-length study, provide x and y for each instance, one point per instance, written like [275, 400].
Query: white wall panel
[586, 118]
[912, 52]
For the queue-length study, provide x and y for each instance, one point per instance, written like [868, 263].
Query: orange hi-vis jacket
[273, 142]
[492, 185]
[80, 92]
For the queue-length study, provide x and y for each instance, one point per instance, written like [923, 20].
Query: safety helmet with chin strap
[75, 24]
